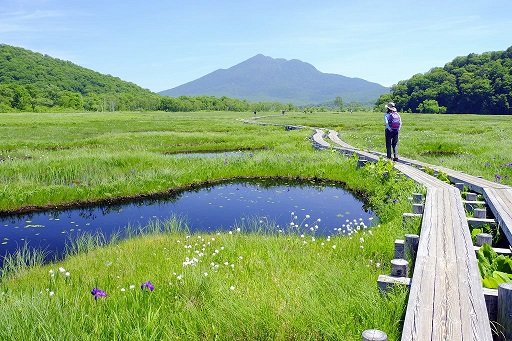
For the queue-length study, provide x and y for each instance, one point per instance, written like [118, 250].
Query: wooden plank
[421, 295]
[445, 279]
[498, 250]
[474, 222]
[334, 137]
[318, 139]
[472, 303]
[500, 203]
[446, 300]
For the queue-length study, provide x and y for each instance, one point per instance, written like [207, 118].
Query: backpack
[394, 120]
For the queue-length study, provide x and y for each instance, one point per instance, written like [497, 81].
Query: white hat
[391, 106]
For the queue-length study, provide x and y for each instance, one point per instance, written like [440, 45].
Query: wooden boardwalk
[446, 300]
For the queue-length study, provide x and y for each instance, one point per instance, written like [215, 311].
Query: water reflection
[211, 154]
[323, 206]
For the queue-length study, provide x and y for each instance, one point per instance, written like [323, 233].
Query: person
[393, 124]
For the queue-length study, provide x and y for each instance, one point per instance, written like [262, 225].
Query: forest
[34, 82]
[477, 83]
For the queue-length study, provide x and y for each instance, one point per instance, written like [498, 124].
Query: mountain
[476, 83]
[263, 78]
[33, 81]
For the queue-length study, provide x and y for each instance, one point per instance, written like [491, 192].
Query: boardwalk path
[446, 300]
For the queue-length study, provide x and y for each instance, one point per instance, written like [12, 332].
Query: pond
[230, 154]
[308, 207]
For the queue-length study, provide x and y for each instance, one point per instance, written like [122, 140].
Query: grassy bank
[476, 144]
[238, 285]
[233, 285]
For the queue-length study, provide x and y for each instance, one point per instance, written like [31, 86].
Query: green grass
[283, 288]
[476, 144]
[243, 286]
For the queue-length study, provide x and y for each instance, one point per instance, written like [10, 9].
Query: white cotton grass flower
[232, 287]
[334, 246]
[67, 274]
[51, 293]
[61, 269]
[123, 289]
[132, 286]
[377, 265]
[205, 274]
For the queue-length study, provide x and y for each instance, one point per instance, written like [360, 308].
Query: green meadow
[239, 284]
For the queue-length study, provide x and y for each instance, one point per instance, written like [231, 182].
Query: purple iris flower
[97, 293]
[147, 285]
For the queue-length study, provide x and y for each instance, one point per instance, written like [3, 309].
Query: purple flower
[147, 285]
[497, 177]
[97, 293]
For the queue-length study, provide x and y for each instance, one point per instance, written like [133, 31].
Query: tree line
[31, 81]
[477, 83]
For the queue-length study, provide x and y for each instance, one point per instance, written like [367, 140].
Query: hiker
[393, 123]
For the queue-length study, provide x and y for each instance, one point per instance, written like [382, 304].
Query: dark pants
[391, 142]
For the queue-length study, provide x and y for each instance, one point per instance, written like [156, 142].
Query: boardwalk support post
[417, 198]
[417, 208]
[505, 310]
[471, 196]
[374, 335]
[483, 238]
[399, 267]
[411, 246]
[361, 163]
[399, 248]
[460, 186]
[480, 213]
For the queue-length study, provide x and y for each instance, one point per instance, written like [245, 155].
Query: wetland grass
[260, 286]
[475, 144]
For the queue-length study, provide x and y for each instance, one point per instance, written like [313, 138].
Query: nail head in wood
[374, 335]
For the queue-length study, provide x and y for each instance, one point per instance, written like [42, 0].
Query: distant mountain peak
[263, 78]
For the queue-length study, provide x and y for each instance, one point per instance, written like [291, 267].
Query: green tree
[338, 102]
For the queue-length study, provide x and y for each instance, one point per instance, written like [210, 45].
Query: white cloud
[26, 21]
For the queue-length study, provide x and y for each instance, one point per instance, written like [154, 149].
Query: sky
[162, 44]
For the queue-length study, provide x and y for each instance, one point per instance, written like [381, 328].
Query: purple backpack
[394, 120]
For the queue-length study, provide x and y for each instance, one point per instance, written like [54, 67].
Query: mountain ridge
[263, 78]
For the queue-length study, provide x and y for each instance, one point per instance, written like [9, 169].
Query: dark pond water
[212, 154]
[322, 209]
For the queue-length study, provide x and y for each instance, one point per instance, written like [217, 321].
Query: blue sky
[162, 44]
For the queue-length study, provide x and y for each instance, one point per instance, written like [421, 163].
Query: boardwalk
[446, 300]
